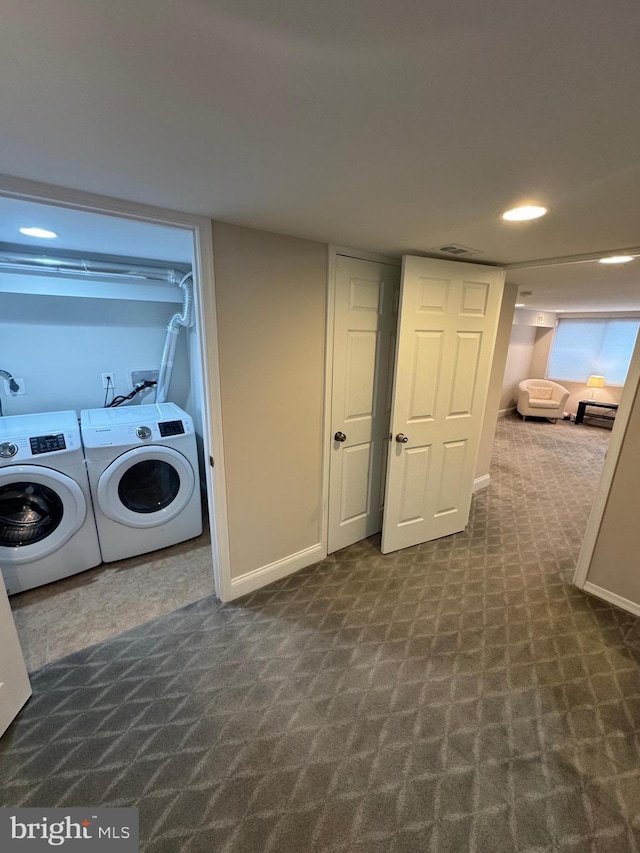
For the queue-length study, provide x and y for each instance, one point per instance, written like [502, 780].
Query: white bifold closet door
[15, 688]
[448, 320]
[366, 305]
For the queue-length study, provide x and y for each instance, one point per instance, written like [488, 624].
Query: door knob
[340, 436]
[401, 438]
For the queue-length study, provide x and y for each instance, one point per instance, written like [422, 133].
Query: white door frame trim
[205, 305]
[332, 255]
[618, 434]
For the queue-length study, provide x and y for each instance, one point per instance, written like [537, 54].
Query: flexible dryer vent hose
[173, 330]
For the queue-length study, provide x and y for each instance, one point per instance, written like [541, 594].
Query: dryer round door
[40, 510]
[146, 486]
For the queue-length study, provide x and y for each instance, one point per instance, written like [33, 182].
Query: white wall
[61, 346]
[271, 295]
[498, 367]
[531, 338]
[518, 364]
[614, 570]
[541, 351]
[540, 319]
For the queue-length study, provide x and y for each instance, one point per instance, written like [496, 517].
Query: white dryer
[143, 471]
[47, 529]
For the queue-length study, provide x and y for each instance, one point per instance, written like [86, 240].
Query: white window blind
[582, 347]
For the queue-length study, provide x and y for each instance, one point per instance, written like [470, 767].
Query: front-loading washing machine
[47, 529]
[143, 471]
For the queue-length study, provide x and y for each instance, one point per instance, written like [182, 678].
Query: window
[583, 347]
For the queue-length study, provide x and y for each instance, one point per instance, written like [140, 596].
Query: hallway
[459, 695]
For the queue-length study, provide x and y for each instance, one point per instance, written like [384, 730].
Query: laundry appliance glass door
[149, 486]
[40, 509]
[146, 486]
[29, 512]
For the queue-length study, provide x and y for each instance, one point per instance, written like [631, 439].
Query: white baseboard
[274, 571]
[612, 598]
[504, 412]
[481, 482]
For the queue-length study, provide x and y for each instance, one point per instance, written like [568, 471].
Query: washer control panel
[27, 438]
[47, 443]
[143, 432]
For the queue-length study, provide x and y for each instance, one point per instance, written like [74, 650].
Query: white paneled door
[364, 341]
[14, 681]
[448, 321]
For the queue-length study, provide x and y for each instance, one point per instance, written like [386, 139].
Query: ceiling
[587, 286]
[92, 232]
[390, 127]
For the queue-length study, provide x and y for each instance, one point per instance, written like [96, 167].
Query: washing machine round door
[146, 486]
[40, 510]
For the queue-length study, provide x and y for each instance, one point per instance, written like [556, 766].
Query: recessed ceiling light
[527, 211]
[42, 233]
[616, 259]
[519, 304]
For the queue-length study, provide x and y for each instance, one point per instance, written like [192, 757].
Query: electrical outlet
[108, 380]
[9, 392]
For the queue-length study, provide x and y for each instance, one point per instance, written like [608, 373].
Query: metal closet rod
[16, 259]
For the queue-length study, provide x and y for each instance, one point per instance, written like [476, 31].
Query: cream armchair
[541, 398]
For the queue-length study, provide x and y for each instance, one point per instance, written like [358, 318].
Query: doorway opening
[66, 329]
[592, 301]
[336, 435]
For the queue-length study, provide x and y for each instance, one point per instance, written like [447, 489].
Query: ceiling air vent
[456, 250]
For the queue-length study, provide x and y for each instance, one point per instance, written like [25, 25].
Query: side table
[611, 407]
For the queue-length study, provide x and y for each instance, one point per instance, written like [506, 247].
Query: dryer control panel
[132, 426]
[171, 428]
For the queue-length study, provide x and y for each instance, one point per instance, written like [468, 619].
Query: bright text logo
[101, 829]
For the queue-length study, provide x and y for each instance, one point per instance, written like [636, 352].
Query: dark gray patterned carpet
[457, 696]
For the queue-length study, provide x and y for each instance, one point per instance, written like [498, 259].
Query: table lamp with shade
[595, 382]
